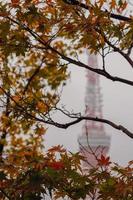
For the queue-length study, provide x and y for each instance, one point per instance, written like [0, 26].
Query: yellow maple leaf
[41, 106]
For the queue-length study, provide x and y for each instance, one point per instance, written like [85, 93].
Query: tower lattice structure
[93, 141]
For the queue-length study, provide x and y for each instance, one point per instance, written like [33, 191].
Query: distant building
[93, 141]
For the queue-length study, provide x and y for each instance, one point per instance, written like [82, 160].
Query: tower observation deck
[93, 138]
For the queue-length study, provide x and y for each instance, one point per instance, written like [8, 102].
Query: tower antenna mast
[93, 141]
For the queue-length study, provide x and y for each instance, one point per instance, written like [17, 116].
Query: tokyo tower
[93, 141]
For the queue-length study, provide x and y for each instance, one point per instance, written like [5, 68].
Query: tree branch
[126, 56]
[112, 15]
[79, 119]
[4, 193]
[101, 72]
[75, 121]
[70, 60]
[33, 76]
[80, 64]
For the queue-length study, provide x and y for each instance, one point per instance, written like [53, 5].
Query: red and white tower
[93, 140]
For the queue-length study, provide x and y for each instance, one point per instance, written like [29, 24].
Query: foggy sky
[117, 107]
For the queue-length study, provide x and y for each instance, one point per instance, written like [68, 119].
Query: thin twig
[33, 76]
[6, 195]
[103, 59]
[116, 49]
[70, 60]
[75, 121]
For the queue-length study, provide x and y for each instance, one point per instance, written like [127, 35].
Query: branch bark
[68, 124]
[70, 60]
[33, 76]
[126, 56]
[4, 193]
[79, 119]
[80, 64]
[87, 7]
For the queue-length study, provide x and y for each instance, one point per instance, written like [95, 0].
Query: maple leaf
[57, 148]
[35, 39]
[49, 1]
[15, 2]
[104, 161]
[113, 4]
[57, 165]
[41, 106]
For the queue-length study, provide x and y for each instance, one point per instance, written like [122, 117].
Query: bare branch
[76, 120]
[83, 149]
[79, 119]
[103, 59]
[125, 55]
[96, 70]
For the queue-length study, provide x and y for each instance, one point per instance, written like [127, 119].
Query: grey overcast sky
[117, 106]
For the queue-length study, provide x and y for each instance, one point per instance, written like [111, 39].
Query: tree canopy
[39, 40]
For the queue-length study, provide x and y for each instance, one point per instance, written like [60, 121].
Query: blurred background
[117, 107]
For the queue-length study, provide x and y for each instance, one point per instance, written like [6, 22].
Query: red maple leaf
[15, 2]
[57, 165]
[104, 161]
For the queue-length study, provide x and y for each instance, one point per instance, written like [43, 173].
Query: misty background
[117, 107]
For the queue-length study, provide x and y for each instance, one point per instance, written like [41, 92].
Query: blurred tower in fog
[93, 138]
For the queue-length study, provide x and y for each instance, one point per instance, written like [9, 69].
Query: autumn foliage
[39, 40]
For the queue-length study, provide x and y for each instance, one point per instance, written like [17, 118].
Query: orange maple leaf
[113, 4]
[57, 148]
[41, 106]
